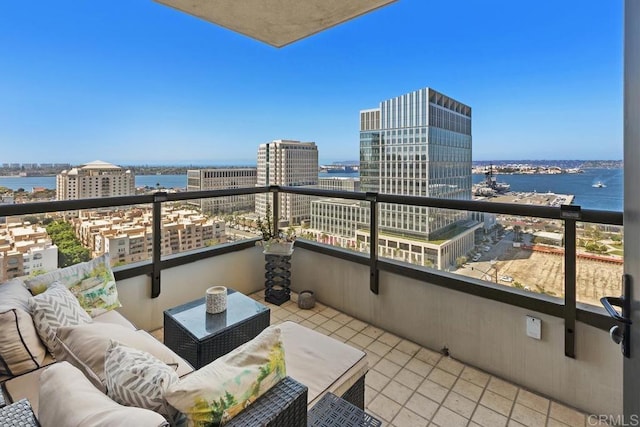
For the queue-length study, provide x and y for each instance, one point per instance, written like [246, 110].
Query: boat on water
[491, 186]
[599, 184]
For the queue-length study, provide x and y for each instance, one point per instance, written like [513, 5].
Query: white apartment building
[127, 235]
[93, 180]
[221, 179]
[25, 249]
[287, 163]
[339, 183]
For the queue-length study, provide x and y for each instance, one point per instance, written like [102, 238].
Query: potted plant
[278, 242]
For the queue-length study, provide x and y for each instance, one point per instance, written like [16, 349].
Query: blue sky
[134, 82]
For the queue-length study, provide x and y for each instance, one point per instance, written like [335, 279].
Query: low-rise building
[222, 179]
[127, 235]
[25, 249]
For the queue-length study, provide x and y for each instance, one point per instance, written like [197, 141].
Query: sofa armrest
[285, 404]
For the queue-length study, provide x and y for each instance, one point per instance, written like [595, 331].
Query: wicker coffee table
[200, 338]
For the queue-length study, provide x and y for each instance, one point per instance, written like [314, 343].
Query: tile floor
[412, 386]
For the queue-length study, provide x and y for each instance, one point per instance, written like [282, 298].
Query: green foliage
[616, 237]
[460, 261]
[518, 285]
[70, 250]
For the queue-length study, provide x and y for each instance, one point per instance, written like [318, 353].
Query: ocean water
[580, 185]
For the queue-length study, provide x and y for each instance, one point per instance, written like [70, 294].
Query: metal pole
[373, 243]
[158, 198]
[276, 211]
[569, 287]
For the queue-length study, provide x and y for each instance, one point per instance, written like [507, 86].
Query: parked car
[507, 279]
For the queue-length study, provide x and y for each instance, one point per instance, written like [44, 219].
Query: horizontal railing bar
[72, 205]
[358, 258]
[208, 194]
[321, 192]
[176, 260]
[129, 271]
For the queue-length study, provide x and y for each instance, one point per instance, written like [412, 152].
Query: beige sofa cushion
[27, 386]
[320, 362]
[68, 399]
[20, 347]
[85, 347]
[15, 294]
[113, 316]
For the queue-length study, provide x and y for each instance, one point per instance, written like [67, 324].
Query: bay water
[609, 197]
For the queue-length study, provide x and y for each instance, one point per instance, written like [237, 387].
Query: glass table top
[194, 317]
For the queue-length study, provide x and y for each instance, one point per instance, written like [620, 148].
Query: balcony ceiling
[276, 22]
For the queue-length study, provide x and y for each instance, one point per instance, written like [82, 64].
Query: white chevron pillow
[55, 308]
[137, 378]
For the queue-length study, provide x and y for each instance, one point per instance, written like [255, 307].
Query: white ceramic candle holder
[216, 299]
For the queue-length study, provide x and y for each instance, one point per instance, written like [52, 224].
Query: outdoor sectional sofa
[315, 364]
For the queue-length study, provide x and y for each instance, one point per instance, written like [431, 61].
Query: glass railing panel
[599, 261]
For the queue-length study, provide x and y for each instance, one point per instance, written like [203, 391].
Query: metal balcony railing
[569, 309]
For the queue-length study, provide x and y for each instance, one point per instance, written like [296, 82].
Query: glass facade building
[417, 144]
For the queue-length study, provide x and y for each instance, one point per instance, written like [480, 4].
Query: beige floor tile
[441, 377]
[422, 406]
[308, 324]
[387, 368]
[397, 392]
[459, 404]
[468, 390]
[385, 407]
[447, 418]
[502, 388]
[369, 394]
[450, 365]
[408, 347]
[396, 356]
[513, 423]
[566, 415]
[376, 380]
[329, 312]
[433, 391]
[318, 319]
[372, 358]
[346, 332]
[428, 356]
[323, 330]
[407, 418]
[528, 416]
[488, 418]
[331, 325]
[372, 331]
[379, 348]
[357, 325]
[408, 378]
[389, 339]
[362, 340]
[533, 401]
[318, 307]
[338, 337]
[343, 318]
[419, 367]
[494, 401]
[293, 318]
[555, 423]
[475, 376]
[305, 314]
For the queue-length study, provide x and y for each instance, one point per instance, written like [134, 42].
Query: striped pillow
[137, 378]
[20, 348]
[55, 308]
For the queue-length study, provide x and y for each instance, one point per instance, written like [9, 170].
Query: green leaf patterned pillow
[92, 283]
[220, 390]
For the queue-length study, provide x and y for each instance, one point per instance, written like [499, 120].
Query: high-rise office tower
[221, 179]
[417, 144]
[287, 163]
[95, 179]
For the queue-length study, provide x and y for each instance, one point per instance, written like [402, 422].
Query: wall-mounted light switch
[534, 327]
